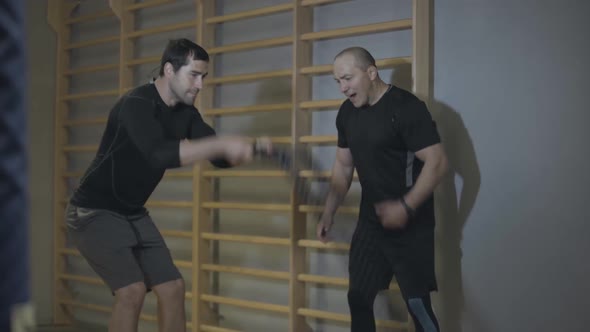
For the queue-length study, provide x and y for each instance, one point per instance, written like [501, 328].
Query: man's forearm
[192, 151]
[339, 186]
[430, 176]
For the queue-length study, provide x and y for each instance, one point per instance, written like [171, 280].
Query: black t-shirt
[140, 141]
[383, 139]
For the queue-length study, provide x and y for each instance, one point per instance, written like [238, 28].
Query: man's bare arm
[342, 172]
[435, 166]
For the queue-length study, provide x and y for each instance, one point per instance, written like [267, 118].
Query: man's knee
[132, 295]
[170, 290]
[360, 299]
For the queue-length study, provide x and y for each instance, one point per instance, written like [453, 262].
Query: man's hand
[236, 150]
[392, 214]
[263, 144]
[323, 227]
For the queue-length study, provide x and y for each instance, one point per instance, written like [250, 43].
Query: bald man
[388, 135]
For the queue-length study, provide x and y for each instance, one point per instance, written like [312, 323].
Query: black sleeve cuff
[220, 163]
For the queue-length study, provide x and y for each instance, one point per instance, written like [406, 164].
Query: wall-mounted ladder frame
[202, 204]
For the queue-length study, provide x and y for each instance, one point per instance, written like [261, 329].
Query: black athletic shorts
[122, 250]
[375, 257]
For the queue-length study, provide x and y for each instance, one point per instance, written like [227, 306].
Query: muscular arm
[435, 166]
[342, 172]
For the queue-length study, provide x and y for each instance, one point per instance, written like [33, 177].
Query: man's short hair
[178, 51]
[363, 58]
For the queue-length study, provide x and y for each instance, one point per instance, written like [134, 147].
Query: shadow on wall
[455, 198]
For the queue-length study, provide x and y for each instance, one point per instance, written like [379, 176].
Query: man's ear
[168, 69]
[372, 70]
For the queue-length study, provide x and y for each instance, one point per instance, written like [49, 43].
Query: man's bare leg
[128, 304]
[171, 314]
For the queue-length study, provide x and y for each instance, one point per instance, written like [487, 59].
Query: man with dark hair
[388, 135]
[152, 128]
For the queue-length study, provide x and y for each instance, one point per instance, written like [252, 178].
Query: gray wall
[508, 84]
[509, 103]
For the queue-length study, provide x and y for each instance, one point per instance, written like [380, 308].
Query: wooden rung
[87, 306]
[250, 13]
[250, 77]
[170, 204]
[318, 209]
[73, 174]
[80, 148]
[382, 63]
[90, 17]
[277, 139]
[75, 252]
[359, 30]
[246, 206]
[101, 308]
[93, 42]
[175, 233]
[280, 275]
[326, 139]
[69, 252]
[251, 45]
[90, 69]
[96, 94]
[210, 328]
[184, 264]
[392, 62]
[83, 279]
[169, 174]
[247, 109]
[309, 174]
[334, 281]
[345, 318]
[246, 239]
[97, 281]
[281, 140]
[315, 244]
[142, 61]
[321, 104]
[178, 174]
[318, 2]
[172, 174]
[161, 29]
[147, 4]
[245, 304]
[244, 173]
[311, 313]
[85, 122]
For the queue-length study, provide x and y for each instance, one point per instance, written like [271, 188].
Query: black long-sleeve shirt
[140, 142]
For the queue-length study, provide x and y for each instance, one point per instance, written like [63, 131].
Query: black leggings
[371, 268]
[363, 319]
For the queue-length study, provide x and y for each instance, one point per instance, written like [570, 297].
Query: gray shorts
[122, 250]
